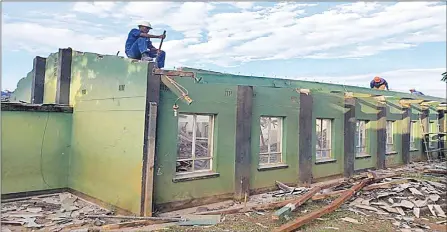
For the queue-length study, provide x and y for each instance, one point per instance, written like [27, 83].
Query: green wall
[329, 106]
[209, 99]
[27, 163]
[394, 113]
[275, 102]
[366, 110]
[108, 128]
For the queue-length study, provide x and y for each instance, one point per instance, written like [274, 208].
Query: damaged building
[144, 140]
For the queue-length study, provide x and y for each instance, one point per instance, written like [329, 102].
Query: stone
[415, 192]
[434, 197]
[416, 212]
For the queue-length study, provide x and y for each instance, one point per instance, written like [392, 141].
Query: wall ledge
[18, 106]
[195, 176]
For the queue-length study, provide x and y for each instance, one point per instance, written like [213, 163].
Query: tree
[444, 77]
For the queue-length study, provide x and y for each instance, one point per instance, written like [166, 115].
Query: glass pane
[275, 135]
[326, 154]
[318, 155]
[184, 146]
[264, 136]
[319, 136]
[263, 159]
[326, 133]
[184, 166]
[274, 158]
[202, 165]
[203, 131]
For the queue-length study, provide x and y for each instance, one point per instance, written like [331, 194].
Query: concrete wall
[366, 110]
[35, 150]
[108, 127]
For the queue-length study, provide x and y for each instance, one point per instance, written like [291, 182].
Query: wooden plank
[244, 110]
[149, 141]
[173, 73]
[305, 139]
[406, 124]
[297, 223]
[385, 185]
[171, 84]
[381, 136]
[38, 82]
[349, 137]
[293, 205]
[317, 197]
[63, 76]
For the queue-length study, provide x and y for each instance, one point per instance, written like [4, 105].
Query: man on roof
[378, 83]
[139, 45]
[413, 91]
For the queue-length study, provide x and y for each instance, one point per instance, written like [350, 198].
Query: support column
[149, 143]
[441, 142]
[406, 125]
[349, 136]
[305, 139]
[64, 76]
[425, 123]
[38, 83]
[244, 110]
[381, 135]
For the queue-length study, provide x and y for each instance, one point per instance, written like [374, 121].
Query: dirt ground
[65, 212]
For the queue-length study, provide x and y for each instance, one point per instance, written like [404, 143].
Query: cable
[41, 150]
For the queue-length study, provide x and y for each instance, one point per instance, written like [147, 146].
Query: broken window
[194, 148]
[323, 146]
[389, 137]
[270, 151]
[361, 138]
[413, 132]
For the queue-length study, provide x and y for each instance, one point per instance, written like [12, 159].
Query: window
[433, 138]
[413, 132]
[194, 148]
[323, 148]
[270, 141]
[360, 141]
[389, 137]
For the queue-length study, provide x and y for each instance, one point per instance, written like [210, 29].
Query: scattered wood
[293, 225]
[170, 219]
[435, 171]
[293, 205]
[132, 224]
[327, 195]
[284, 187]
[385, 185]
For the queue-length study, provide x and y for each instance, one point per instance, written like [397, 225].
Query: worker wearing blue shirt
[413, 91]
[378, 83]
[139, 45]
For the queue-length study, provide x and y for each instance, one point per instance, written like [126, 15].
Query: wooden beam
[149, 142]
[349, 137]
[244, 110]
[173, 73]
[406, 124]
[63, 76]
[381, 136]
[38, 83]
[172, 85]
[305, 139]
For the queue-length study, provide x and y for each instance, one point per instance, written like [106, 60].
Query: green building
[139, 139]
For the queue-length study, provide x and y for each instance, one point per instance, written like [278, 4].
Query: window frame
[366, 137]
[388, 143]
[211, 123]
[329, 138]
[280, 151]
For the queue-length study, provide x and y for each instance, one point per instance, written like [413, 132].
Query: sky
[335, 42]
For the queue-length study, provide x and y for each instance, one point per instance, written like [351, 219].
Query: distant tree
[444, 77]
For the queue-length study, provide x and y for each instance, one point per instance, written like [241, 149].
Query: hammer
[161, 43]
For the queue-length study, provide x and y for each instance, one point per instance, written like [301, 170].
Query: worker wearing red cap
[379, 83]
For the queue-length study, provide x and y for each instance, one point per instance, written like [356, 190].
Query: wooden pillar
[349, 136]
[425, 124]
[149, 143]
[305, 139]
[38, 83]
[406, 125]
[244, 110]
[441, 142]
[381, 135]
[64, 76]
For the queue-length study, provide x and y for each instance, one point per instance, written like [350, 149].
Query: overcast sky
[345, 43]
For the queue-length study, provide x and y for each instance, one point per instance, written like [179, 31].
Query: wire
[41, 150]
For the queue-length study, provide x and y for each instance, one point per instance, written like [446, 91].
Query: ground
[65, 212]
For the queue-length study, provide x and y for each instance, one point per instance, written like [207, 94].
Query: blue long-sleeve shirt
[417, 93]
[373, 84]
